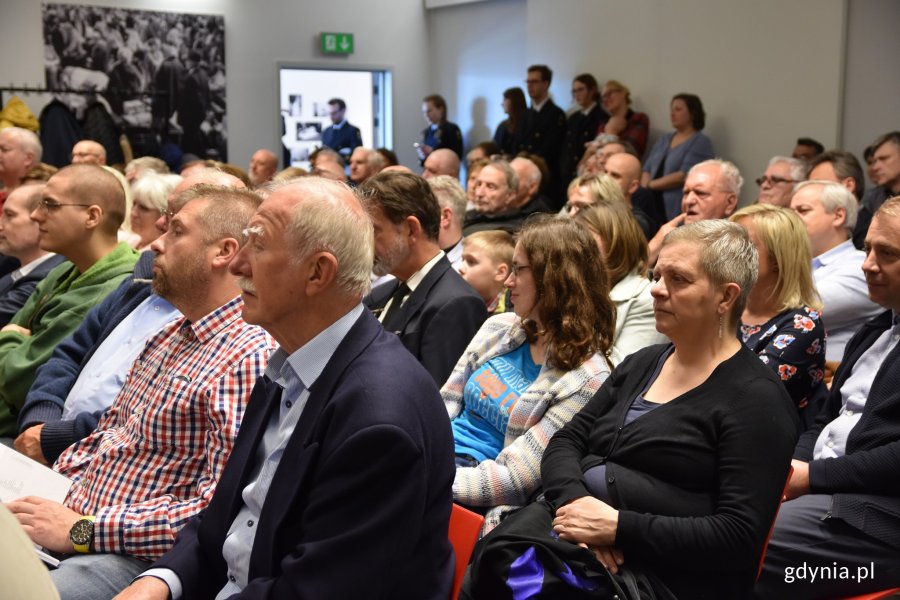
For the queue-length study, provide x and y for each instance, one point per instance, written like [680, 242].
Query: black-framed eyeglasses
[53, 206]
[774, 180]
[516, 269]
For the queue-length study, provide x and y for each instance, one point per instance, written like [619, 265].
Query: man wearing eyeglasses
[545, 128]
[782, 175]
[78, 216]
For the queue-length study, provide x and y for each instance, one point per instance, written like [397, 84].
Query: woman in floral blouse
[782, 322]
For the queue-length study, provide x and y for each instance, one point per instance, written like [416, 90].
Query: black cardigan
[865, 481]
[696, 481]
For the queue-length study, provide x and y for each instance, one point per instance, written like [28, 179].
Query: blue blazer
[437, 321]
[360, 503]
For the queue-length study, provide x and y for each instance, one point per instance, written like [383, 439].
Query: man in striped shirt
[156, 455]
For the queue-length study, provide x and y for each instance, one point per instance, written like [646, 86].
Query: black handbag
[524, 559]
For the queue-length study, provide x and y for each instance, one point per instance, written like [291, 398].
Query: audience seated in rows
[673, 471]
[526, 373]
[338, 394]
[86, 370]
[79, 215]
[155, 457]
[429, 306]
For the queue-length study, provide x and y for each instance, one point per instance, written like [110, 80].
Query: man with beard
[430, 307]
[156, 455]
[87, 369]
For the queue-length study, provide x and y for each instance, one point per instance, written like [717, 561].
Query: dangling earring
[721, 326]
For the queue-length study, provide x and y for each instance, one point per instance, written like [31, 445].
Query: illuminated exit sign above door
[337, 43]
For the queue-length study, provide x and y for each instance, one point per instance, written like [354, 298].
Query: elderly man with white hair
[778, 182]
[20, 150]
[829, 211]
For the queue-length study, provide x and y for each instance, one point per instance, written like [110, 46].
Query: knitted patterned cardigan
[509, 481]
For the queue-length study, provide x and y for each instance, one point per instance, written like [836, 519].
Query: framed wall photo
[160, 72]
[304, 92]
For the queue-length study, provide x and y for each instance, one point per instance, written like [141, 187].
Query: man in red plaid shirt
[156, 455]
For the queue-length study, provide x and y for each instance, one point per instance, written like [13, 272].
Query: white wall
[768, 71]
[388, 33]
[872, 91]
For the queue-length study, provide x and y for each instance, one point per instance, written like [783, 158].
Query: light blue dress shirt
[103, 376]
[841, 283]
[832, 441]
[295, 373]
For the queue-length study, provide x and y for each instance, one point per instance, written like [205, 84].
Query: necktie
[396, 302]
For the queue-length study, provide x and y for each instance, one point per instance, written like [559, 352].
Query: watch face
[82, 532]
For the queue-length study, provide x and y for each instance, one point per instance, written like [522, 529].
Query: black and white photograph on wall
[158, 73]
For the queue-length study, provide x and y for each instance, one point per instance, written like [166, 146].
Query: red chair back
[875, 595]
[465, 526]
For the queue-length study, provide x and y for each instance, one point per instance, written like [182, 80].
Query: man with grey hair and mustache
[155, 458]
[345, 455]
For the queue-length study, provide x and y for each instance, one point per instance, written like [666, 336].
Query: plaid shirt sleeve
[147, 529]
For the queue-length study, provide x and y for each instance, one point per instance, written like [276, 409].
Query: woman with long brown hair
[526, 373]
[509, 132]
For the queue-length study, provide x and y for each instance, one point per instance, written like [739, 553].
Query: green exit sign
[337, 43]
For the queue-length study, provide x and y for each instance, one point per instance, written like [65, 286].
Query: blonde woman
[585, 192]
[624, 248]
[782, 320]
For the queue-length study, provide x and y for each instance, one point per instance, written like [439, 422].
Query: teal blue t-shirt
[488, 398]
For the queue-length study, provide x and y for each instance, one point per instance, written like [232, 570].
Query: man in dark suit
[843, 514]
[339, 483]
[20, 238]
[433, 310]
[341, 136]
[545, 130]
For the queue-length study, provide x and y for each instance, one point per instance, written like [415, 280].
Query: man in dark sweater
[839, 533]
[545, 130]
